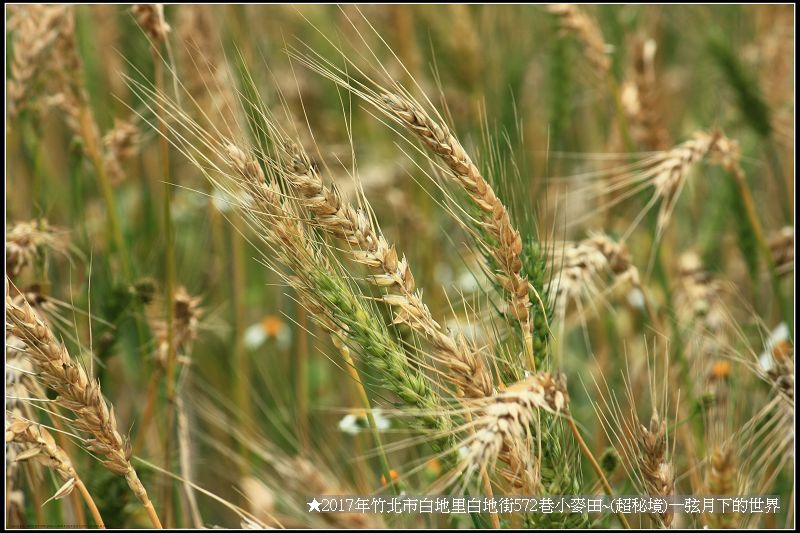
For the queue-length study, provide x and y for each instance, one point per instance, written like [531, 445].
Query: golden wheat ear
[76, 393]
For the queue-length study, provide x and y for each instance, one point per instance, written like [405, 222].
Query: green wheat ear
[536, 265]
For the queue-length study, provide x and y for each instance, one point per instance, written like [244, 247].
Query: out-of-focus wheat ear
[27, 241]
[76, 393]
[505, 243]
[39, 445]
[34, 31]
[574, 21]
[150, 17]
[369, 247]
[641, 99]
[119, 145]
[580, 267]
[721, 480]
[781, 244]
[656, 468]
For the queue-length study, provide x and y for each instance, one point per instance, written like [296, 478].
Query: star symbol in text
[313, 505]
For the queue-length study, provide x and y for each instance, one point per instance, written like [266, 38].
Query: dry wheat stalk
[507, 243]
[76, 393]
[39, 445]
[150, 17]
[574, 21]
[369, 247]
[655, 466]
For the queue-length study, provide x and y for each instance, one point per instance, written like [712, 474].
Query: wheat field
[259, 254]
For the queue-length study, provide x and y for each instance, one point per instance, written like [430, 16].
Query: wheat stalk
[76, 393]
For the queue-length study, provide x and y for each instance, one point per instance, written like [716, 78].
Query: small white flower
[353, 424]
[636, 298]
[779, 334]
[270, 327]
[349, 424]
[255, 336]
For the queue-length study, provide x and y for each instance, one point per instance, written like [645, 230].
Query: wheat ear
[495, 219]
[34, 32]
[574, 21]
[721, 481]
[329, 298]
[656, 469]
[504, 422]
[369, 247]
[76, 393]
[40, 445]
